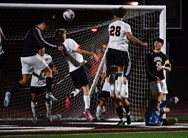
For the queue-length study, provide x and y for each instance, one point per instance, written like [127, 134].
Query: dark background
[176, 37]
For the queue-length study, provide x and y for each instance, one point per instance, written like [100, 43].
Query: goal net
[89, 29]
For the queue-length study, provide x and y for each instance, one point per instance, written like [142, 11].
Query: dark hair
[120, 12]
[48, 21]
[59, 32]
[159, 40]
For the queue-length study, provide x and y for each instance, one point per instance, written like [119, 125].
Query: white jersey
[38, 78]
[117, 37]
[71, 47]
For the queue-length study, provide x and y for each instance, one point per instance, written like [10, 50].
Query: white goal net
[147, 23]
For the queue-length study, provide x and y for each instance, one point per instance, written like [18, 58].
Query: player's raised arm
[132, 38]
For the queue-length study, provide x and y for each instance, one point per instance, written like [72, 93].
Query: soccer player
[121, 100]
[117, 55]
[2, 37]
[156, 63]
[74, 54]
[38, 86]
[155, 110]
[33, 42]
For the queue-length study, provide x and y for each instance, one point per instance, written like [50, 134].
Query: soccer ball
[68, 15]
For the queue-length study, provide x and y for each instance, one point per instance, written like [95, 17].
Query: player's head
[45, 24]
[154, 104]
[60, 34]
[41, 52]
[158, 43]
[120, 12]
[160, 40]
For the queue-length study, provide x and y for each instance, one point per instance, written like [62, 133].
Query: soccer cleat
[7, 99]
[88, 115]
[121, 123]
[128, 119]
[50, 96]
[174, 100]
[68, 101]
[34, 119]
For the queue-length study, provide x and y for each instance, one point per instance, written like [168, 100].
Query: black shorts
[105, 95]
[117, 58]
[79, 77]
[38, 90]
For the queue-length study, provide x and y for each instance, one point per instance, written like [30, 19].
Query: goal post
[147, 23]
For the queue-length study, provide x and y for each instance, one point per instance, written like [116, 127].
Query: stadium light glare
[94, 30]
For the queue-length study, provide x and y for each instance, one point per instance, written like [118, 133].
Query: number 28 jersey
[117, 37]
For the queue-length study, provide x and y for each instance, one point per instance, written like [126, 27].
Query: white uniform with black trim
[38, 78]
[71, 47]
[117, 38]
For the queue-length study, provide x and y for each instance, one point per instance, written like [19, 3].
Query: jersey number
[115, 30]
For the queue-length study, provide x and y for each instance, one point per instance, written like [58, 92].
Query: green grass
[125, 135]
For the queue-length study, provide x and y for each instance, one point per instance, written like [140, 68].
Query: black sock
[119, 111]
[127, 109]
[49, 81]
[15, 88]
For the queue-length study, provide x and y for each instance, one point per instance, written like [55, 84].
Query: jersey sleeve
[71, 45]
[40, 39]
[127, 28]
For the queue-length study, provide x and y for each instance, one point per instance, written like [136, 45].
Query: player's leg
[70, 96]
[48, 104]
[112, 69]
[80, 81]
[49, 82]
[26, 74]
[86, 97]
[34, 103]
[125, 103]
[119, 111]
[101, 106]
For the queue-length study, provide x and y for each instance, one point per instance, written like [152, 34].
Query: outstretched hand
[145, 44]
[95, 57]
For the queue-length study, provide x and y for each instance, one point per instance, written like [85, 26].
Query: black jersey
[154, 60]
[33, 42]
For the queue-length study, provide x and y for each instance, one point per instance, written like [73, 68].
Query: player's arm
[2, 34]
[84, 52]
[132, 38]
[40, 39]
[53, 68]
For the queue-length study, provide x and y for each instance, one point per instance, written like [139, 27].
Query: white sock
[119, 81]
[87, 101]
[34, 108]
[98, 111]
[103, 108]
[48, 104]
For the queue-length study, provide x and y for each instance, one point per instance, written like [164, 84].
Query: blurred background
[177, 48]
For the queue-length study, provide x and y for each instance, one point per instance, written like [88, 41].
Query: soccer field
[122, 135]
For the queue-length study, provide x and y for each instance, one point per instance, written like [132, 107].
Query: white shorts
[106, 86]
[124, 93]
[32, 62]
[160, 87]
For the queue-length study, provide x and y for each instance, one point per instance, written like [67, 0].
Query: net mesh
[17, 21]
